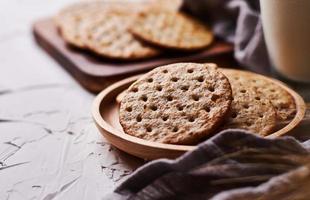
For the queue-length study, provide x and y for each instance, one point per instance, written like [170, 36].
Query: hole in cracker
[174, 79]
[159, 88]
[272, 90]
[138, 118]
[257, 98]
[153, 107]
[195, 97]
[248, 123]
[246, 106]
[211, 89]
[165, 118]
[190, 71]
[236, 78]
[134, 89]
[184, 88]
[200, 79]
[233, 115]
[180, 108]
[175, 129]
[243, 91]
[214, 97]
[169, 98]
[144, 98]
[191, 119]
[150, 80]
[283, 106]
[254, 81]
[261, 115]
[207, 108]
[148, 129]
[128, 109]
[165, 71]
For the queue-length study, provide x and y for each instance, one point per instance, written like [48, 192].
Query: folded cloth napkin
[238, 22]
[233, 163]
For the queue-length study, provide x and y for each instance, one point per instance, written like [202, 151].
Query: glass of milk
[286, 25]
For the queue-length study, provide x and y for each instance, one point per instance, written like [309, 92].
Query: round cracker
[108, 36]
[249, 110]
[102, 28]
[280, 98]
[178, 103]
[72, 19]
[170, 29]
[282, 101]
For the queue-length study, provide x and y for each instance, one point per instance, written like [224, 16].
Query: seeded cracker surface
[280, 98]
[179, 103]
[109, 37]
[102, 28]
[282, 101]
[171, 30]
[72, 19]
[250, 110]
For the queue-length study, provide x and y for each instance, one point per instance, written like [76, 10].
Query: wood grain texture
[105, 110]
[95, 73]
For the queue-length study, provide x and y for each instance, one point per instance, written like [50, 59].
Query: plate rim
[300, 113]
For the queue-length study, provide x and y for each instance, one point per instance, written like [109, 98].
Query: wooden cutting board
[96, 73]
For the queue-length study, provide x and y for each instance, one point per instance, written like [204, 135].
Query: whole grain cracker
[72, 19]
[249, 110]
[101, 27]
[178, 103]
[280, 98]
[171, 29]
[108, 36]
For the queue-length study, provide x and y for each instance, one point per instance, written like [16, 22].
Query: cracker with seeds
[282, 101]
[72, 19]
[109, 37]
[179, 103]
[279, 97]
[173, 30]
[102, 28]
[249, 110]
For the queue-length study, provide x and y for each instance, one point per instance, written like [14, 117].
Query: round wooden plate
[105, 114]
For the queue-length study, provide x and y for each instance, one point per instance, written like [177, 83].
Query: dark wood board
[95, 73]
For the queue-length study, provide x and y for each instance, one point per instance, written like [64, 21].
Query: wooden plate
[105, 114]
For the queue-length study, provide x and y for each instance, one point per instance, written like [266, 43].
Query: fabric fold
[230, 160]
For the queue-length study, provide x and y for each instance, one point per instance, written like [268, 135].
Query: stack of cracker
[130, 31]
[185, 103]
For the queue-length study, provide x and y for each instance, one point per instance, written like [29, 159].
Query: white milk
[286, 26]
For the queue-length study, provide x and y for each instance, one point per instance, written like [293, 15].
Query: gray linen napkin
[236, 21]
[218, 168]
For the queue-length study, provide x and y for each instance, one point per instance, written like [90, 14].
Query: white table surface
[49, 145]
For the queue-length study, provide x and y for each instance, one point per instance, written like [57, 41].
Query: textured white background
[49, 146]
